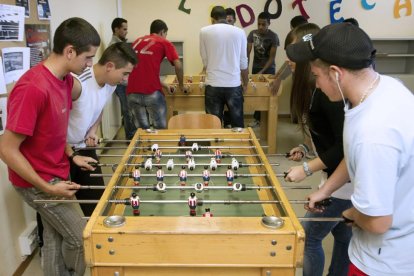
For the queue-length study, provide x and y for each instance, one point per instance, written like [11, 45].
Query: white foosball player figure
[195, 147]
[134, 201]
[148, 164]
[154, 147]
[170, 164]
[213, 164]
[198, 187]
[237, 187]
[234, 164]
[192, 203]
[188, 155]
[161, 187]
[183, 176]
[172, 89]
[207, 214]
[229, 176]
[136, 176]
[206, 176]
[191, 164]
[160, 175]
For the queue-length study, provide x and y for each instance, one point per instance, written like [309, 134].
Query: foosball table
[258, 97]
[194, 202]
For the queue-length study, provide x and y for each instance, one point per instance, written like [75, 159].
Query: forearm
[180, 75]
[316, 164]
[375, 225]
[245, 77]
[94, 128]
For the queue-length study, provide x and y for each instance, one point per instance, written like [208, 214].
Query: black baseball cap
[341, 44]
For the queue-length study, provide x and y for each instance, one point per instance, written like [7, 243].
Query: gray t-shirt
[262, 43]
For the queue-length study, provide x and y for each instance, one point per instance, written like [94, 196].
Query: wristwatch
[73, 155]
[308, 172]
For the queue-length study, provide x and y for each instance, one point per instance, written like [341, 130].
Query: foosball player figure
[158, 155]
[213, 164]
[170, 164]
[136, 176]
[195, 147]
[234, 164]
[218, 155]
[181, 143]
[207, 214]
[160, 175]
[206, 176]
[183, 176]
[154, 147]
[134, 201]
[229, 176]
[188, 155]
[191, 164]
[148, 164]
[192, 203]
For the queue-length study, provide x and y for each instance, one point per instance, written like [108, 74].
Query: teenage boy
[378, 148]
[92, 89]
[34, 144]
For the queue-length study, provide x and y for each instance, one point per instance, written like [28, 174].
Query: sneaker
[255, 123]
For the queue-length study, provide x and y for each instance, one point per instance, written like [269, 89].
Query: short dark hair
[218, 12]
[117, 23]
[157, 26]
[230, 11]
[265, 16]
[77, 32]
[120, 53]
[297, 21]
[352, 21]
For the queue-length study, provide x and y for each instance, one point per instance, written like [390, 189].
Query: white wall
[378, 22]
[14, 213]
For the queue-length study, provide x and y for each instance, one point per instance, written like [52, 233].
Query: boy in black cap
[378, 148]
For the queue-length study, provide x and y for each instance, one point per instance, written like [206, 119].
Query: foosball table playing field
[258, 97]
[194, 202]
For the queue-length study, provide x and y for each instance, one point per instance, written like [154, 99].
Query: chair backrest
[194, 120]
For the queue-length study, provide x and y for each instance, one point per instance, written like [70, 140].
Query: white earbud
[337, 76]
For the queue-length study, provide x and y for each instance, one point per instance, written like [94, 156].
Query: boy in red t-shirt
[34, 143]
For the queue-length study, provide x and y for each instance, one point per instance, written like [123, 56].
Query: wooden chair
[194, 120]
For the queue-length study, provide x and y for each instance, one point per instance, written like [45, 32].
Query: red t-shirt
[151, 50]
[38, 107]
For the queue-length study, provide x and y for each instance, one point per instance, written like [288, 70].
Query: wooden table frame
[194, 245]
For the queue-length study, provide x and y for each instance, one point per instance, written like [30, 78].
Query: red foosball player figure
[230, 176]
[207, 214]
[181, 143]
[192, 203]
[183, 176]
[188, 155]
[160, 175]
[206, 176]
[136, 175]
[158, 155]
[134, 200]
[218, 155]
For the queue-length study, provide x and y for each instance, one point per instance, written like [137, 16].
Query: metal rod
[172, 174]
[182, 164]
[104, 140]
[172, 147]
[174, 201]
[179, 155]
[248, 187]
[287, 154]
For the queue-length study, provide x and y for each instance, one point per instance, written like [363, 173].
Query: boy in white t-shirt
[378, 148]
[92, 89]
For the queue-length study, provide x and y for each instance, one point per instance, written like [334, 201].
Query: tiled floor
[288, 136]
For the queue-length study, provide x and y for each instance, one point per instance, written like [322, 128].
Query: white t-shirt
[87, 108]
[223, 49]
[379, 153]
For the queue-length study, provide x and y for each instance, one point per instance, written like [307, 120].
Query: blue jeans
[314, 257]
[62, 252]
[129, 127]
[217, 97]
[154, 104]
